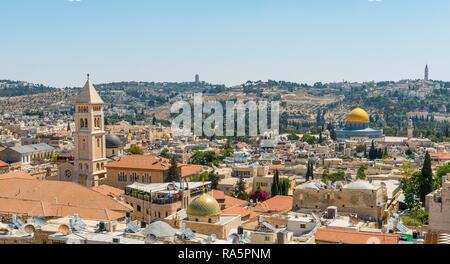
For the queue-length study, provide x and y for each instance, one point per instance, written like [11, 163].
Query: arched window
[122, 177]
[134, 177]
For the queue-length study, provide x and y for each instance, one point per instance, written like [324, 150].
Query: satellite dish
[233, 239]
[374, 241]
[64, 229]
[29, 229]
[4, 231]
[150, 239]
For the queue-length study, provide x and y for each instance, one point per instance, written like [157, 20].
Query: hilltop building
[358, 127]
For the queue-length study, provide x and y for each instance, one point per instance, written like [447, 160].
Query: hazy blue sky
[57, 42]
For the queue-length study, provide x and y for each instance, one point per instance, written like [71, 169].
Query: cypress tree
[310, 171]
[276, 184]
[319, 119]
[372, 152]
[241, 190]
[426, 179]
[379, 154]
[308, 167]
[174, 172]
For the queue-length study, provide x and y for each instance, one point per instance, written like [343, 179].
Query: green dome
[204, 206]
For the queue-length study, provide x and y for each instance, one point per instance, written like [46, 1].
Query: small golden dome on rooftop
[204, 206]
[358, 115]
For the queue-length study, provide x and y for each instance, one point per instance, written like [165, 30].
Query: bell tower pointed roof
[88, 94]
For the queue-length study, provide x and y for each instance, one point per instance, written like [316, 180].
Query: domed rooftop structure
[311, 186]
[358, 115]
[204, 206]
[360, 185]
[113, 141]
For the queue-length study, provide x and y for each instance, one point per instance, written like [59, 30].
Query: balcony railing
[164, 201]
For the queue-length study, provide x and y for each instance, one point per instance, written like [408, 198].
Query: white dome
[310, 186]
[360, 185]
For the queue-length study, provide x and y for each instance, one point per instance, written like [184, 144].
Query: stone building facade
[438, 205]
[360, 197]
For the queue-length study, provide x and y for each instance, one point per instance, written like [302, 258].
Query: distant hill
[162, 87]
[10, 88]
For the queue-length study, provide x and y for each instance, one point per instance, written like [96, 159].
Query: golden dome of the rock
[204, 206]
[358, 115]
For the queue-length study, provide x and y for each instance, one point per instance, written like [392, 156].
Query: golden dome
[204, 206]
[358, 115]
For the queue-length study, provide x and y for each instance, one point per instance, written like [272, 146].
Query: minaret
[410, 129]
[90, 148]
[427, 73]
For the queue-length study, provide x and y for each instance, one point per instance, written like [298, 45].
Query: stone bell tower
[89, 137]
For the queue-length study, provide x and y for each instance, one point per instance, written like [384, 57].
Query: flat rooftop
[159, 187]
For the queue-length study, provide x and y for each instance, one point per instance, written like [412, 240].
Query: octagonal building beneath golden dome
[358, 127]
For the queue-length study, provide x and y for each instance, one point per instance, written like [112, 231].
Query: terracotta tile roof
[227, 201]
[17, 175]
[233, 202]
[54, 198]
[141, 162]
[62, 133]
[109, 191]
[352, 237]
[3, 164]
[218, 195]
[280, 167]
[244, 212]
[277, 204]
[440, 155]
[190, 170]
[45, 209]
